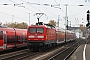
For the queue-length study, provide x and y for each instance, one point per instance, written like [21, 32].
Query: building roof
[73, 28]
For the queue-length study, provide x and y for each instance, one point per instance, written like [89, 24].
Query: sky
[25, 11]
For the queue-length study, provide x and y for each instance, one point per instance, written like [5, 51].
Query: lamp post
[58, 21]
[66, 18]
[65, 22]
[12, 21]
[70, 23]
[29, 18]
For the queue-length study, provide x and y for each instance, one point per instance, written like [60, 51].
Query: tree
[22, 25]
[0, 23]
[83, 29]
[52, 22]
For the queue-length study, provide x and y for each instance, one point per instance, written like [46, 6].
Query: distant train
[12, 37]
[46, 35]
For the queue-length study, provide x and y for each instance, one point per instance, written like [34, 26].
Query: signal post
[88, 19]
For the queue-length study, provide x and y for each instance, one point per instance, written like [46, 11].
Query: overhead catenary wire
[11, 15]
[13, 9]
[23, 1]
[37, 4]
[76, 15]
[59, 3]
[48, 10]
[31, 5]
[44, 8]
[12, 1]
[24, 7]
[56, 2]
[79, 11]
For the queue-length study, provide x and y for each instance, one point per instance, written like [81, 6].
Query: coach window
[1, 35]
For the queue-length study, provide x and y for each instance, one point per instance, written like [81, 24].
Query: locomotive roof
[70, 31]
[47, 26]
[63, 30]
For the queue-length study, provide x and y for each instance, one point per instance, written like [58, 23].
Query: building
[77, 30]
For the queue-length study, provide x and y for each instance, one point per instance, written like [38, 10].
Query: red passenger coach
[60, 35]
[1, 40]
[41, 36]
[12, 37]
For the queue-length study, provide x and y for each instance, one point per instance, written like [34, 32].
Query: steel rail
[53, 57]
[9, 55]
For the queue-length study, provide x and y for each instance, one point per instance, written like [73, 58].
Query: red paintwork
[12, 37]
[51, 36]
[36, 34]
[1, 42]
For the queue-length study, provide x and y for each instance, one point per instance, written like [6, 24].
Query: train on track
[46, 35]
[12, 37]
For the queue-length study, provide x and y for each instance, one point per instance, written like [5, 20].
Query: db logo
[35, 36]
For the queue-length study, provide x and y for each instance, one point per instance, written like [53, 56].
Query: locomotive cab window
[40, 30]
[36, 30]
[32, 30]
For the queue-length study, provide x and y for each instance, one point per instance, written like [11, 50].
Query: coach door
[3, 40]
[24, 37]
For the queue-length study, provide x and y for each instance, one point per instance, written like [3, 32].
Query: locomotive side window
[40, 30]
[32, 30]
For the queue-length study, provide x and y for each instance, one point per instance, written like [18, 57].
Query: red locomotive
[46, 35]
[12, 37]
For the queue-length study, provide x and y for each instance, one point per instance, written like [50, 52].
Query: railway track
[53, 54]
[18, 55]
[12, 50]
[49, 54]
[66, 53]
[12, 54]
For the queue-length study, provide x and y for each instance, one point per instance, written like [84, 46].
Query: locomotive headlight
[30, 36]
[40, 36]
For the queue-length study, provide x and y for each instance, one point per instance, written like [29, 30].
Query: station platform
[82, 52]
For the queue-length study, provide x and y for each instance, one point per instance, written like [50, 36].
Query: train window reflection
[36, 30]
[32, 30]
[40, 30]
